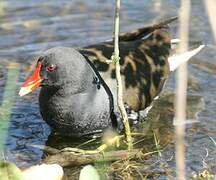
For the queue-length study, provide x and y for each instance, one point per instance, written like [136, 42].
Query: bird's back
[144, 64]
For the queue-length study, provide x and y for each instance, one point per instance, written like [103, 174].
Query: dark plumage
[144, 66]
[79, 89]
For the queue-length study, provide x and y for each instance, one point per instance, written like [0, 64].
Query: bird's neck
[83, 81]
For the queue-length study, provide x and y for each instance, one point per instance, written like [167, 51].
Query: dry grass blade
[211, 9]
[212, 139]
[181, 92]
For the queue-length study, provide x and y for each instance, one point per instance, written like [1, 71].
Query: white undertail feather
[176, 60]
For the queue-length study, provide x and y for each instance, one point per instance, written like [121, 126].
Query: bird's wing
[103, 51]
[145, 31]
[144, 65]
[144, 62]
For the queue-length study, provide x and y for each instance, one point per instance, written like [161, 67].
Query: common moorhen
[78, 87]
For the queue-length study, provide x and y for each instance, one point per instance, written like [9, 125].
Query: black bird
[78, 87]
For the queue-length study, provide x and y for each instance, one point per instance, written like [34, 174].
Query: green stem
[8, 101]
[116, 59]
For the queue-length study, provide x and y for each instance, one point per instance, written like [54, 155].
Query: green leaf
[89, 172]
[9, 171]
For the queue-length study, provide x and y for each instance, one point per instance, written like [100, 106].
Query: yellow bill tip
[24, 90]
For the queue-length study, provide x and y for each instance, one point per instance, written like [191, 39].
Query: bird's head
[57, 67]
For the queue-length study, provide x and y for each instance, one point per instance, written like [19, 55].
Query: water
[28, 27]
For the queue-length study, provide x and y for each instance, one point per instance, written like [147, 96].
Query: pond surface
[28, 27]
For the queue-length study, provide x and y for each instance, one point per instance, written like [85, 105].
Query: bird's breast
[77, 114]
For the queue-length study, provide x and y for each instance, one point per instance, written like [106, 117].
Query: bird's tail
[177, 59]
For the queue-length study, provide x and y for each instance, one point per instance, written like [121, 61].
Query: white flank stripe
[175, 41]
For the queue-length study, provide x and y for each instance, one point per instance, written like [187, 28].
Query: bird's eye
[51, 68]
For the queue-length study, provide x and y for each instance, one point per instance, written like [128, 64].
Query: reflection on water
[28, 27]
